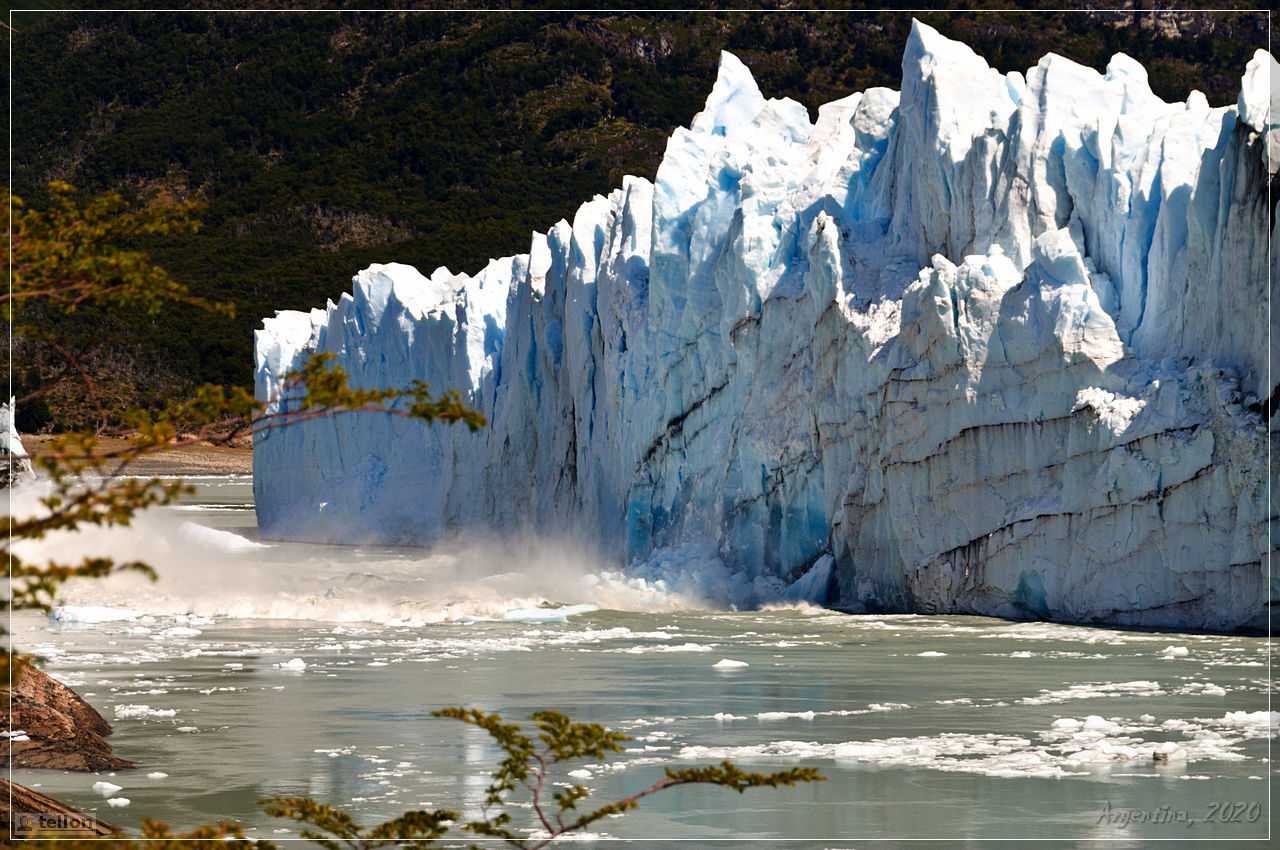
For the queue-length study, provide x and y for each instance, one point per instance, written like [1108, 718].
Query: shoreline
[182, 460]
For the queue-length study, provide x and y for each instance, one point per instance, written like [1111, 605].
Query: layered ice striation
[994, 344]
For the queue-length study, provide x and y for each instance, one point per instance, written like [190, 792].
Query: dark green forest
[324, 141]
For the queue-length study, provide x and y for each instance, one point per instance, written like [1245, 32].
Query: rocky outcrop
[52, 727]
[28, 812]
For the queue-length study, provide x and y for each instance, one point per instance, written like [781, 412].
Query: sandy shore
[186, 460]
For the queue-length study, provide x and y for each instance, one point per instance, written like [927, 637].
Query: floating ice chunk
[217, 539]
[293, 664]
[1252, 719]
[157, 774]
[1104, 750]
[729, 664]
[547, 615]
[175, 631]
[1175, 651]
[785, 715]
[570, 837]
[580, 774]
[106, 789]
[931, 653]
[118, 802]
[133, 710]
[1202, 688]
[1095, 690]
[87, 614]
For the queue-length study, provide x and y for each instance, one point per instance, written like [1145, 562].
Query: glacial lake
[285, 669]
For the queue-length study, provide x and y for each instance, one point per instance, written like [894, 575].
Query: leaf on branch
[729, 775]
[73, 253]
[566, 740]
[417, 824]
[36, 587]
[334, 823]
[509, 738]
[320, 386]
[308, 811]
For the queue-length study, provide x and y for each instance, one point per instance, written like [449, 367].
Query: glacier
[993, 344]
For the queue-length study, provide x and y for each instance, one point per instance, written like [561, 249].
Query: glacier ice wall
[994, 344]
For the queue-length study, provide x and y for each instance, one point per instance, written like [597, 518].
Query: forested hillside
[323, 141]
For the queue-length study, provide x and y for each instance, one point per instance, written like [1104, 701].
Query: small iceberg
[214, 538]
[548, 615]
[89, 614]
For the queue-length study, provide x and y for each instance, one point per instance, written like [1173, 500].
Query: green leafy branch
[340, 826]
[528, 763]
[319, 389]
[75, 253]
[532, 766]
[71, 255]
[88, 485]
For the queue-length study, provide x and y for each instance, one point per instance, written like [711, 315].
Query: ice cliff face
[15, 464]
[994, 344]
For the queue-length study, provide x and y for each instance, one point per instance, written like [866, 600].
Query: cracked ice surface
[995, 344]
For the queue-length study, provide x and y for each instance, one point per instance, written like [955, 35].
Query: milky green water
[957, 728]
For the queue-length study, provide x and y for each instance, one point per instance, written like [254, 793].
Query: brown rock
[64, 732]
[26, 812]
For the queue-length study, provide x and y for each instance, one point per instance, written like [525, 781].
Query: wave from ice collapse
[216, 572]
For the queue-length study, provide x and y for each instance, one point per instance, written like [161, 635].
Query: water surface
[291, 669]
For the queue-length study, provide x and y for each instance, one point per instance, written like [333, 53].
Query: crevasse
[996, 344]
